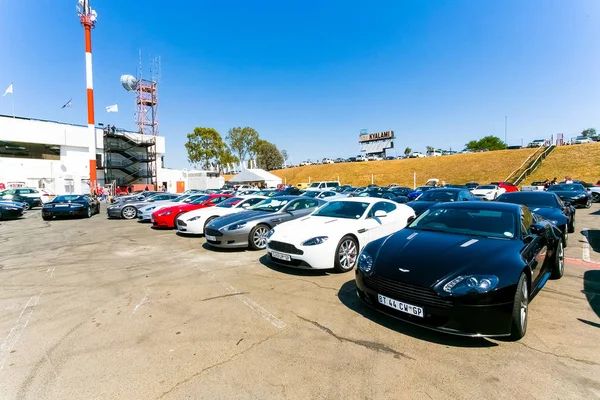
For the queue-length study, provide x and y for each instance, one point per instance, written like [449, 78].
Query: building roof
[255, 175]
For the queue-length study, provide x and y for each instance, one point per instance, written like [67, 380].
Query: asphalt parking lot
[112, 309]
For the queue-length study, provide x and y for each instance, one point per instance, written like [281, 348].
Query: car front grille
[212, 232]
[406, 292]
[181, 222]
[284, 247]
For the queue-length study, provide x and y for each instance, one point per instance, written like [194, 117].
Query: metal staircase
[129, 158]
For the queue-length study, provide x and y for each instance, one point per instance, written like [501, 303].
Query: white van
[323, 185]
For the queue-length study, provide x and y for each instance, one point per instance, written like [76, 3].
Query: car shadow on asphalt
[348, 297]
[206, 246]
[593, 238]
[591, 289]
[264, 260]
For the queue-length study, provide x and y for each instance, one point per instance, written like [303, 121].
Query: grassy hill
[458, 169]
[580, 161]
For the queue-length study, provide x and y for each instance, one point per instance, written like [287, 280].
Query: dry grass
[580, 161]
[458, 169]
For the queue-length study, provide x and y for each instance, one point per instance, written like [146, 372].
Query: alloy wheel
[561, 258]
[89, 212]
[588, 204]
[347, 254]
[26, 206]
[260, 237]
[129, 212]
[524, 305]
[596, 197]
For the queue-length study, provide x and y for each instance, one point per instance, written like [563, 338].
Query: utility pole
[88, 17]
[505, 120]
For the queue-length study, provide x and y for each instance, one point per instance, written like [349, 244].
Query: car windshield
[229, 203]
[468, 221]
[67, 197]
[314, 185]
[270, 205]
[486, 187]
[312, 193]
[439, 195]
[530, 200]
[423, 188]
[457, 186]
[200, 200]
[576, 187]
[180, 198]
[342, 209]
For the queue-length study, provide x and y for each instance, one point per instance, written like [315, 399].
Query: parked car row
[390, 245]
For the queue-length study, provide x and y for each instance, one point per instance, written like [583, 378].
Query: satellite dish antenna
[129, 82]
[94, 16]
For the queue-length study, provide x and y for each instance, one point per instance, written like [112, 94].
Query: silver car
[129, 209]
[250, 228]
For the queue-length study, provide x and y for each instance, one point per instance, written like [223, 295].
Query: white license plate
[211, 238]
[281, 256]
[400, 306]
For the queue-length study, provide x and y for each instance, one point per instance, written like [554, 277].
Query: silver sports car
[129, 209]
[250, 228]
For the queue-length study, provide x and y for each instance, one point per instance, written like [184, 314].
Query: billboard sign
[369, 137]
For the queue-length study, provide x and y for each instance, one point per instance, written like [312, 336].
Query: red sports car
[509, 187]
[166, 217]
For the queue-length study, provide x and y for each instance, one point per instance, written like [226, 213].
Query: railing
[533, 165]
[508, 178]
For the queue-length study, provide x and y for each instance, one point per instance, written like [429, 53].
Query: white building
[54, 155]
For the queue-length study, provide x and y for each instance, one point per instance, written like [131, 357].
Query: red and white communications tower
[88, 17]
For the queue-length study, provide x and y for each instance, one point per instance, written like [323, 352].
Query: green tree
[268, 156]
[205, 146]
[242, 141]
[486, 143]
[226, 158]
[589, 132]
[407, 151]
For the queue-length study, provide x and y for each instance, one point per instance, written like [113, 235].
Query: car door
[374, 227]
[535, 251]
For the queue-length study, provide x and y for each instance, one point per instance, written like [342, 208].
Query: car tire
[520, 312]
[588, 204]
[558, 265]
[89, 212]
[571, 226]
[257, 239]
[346, 254]
[46, 218]
[565, 239]
[595, 197]
[128, 212]
[26, 206]
[208, 221]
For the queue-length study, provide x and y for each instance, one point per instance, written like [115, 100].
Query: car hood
[432, 256]
[246, 216]
[302, 229]
[12, 203]
[136, 204]
[568, 194]
[481, 191]
[210, 211]
[549, 213]
[158, 204]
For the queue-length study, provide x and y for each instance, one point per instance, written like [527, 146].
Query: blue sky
[309, 75]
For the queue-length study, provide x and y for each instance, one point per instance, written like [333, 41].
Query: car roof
[482, 205]
[538, 193]
[447, 189]
[362, 199]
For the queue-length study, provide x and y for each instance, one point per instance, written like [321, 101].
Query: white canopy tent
[255, 176]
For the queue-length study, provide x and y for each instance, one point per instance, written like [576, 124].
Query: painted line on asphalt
[585, 247]
[577, 261]
[276, 322]
[15, 333]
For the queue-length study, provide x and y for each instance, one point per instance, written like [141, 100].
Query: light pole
[88, 17]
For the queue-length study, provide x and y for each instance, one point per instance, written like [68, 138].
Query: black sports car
[573, 193]
[11, 210]
[466, 268]
[401, 191]
[14, 195]
[435, 196]
[71, 205]
[547, 205]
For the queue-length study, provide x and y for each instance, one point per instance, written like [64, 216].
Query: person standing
[118, 191]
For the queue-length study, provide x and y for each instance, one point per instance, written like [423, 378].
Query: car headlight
[150, 208]
[239, 225]
[11, 208]
[466, 284]
[194, 218]
[365, 263]
[314, 241]
[165, 213]
[270, 233]
[554, 222]
[489, 192]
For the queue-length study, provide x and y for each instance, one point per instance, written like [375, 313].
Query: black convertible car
[71, 205]
[466, 268]
[573, 193]
[435, 196]
[548, 205]
[11, 210]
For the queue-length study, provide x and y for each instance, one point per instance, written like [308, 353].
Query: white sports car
[193, 222]
[333, 236]
[488, 192]
[144, 214]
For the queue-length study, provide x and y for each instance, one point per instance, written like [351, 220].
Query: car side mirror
[528, 239]
[245, 205]
[465, 199]
[410, 219]
[537, 229]
[380, 214]
[567, 203]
